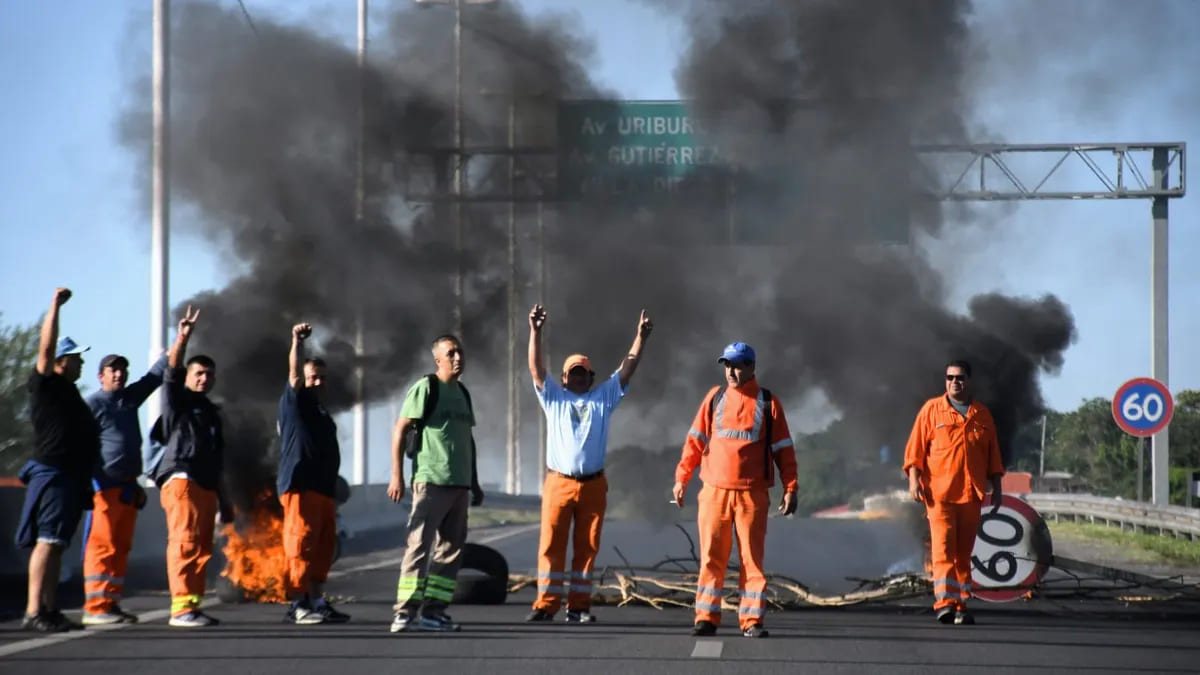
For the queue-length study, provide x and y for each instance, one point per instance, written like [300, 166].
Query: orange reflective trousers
[191, 513]
[721, 513]
[309, 534]
[106, 551]
[952, 530]
[564, 499]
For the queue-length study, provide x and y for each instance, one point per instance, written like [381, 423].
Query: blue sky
[73, 215]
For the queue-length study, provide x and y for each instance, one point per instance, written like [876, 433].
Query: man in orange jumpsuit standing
[952, 453]
[739, 436]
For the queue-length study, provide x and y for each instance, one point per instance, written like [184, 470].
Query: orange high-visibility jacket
[954, 455]
[732, 434]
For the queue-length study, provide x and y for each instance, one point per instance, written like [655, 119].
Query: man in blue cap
[738, 439]
[57, 478]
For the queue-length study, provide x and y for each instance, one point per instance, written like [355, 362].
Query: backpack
[766, 434]
[416, 432]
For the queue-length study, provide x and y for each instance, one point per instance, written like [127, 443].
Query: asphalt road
[1034, 637]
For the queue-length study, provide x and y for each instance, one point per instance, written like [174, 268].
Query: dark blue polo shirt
[309, 457]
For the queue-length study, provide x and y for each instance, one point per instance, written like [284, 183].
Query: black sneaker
[301, 613]
[538, 615]
[945, 615]
[60, 619]
[964, 618]
[755, 631]
[328, 613]
[581, 616]
[703, 628]
[438, 622]
[41, 623]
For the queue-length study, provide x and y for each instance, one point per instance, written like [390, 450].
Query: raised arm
[48, 342]
[139, 391]
[630, 363]
[178, 354]
[300, 333]
[537, 359]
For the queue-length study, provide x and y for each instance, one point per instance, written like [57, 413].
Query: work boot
[539, 615]
[964, 618]
[755, 631]
[581, 616]
[945, 615]
[704, 628]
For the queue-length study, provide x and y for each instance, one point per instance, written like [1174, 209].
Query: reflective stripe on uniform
[755, 431]
[785, 443]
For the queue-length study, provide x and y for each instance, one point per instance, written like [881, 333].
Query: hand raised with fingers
[645, 325]
[537, 318]
[188, 322]
[301, 331]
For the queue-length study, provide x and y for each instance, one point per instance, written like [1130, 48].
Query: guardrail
[1179, 521]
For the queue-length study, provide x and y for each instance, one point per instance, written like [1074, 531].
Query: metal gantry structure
[979, 172]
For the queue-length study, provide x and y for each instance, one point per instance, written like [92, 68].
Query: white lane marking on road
[708, 649]
[144, 617]
[396, 560]
[155, 615]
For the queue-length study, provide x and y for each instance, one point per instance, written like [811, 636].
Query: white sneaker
[193, 619]
[107, 618]
[400, 622]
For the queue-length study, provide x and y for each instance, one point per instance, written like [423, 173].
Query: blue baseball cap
[67, 346]
[737, 353]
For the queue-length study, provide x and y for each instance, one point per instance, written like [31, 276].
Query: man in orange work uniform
[309, 459]
[952, 452]
[577, 421]
[738, 437]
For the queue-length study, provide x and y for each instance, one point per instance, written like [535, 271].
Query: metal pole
[1042, 461]
[361, 475]
[1160, 447]
[513, 473]
[159, 206]
[1141, 472]
[458, 172]
[541, 294]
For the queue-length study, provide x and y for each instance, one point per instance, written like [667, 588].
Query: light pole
[361, 475]
[457, 175]
[159, 205]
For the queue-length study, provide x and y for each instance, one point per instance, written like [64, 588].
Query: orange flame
[254, 560]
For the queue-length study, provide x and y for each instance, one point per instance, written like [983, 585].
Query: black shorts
[54, 511]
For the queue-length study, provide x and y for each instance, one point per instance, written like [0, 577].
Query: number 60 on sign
[1142, 407]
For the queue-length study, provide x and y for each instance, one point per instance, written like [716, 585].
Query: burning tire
[483, 577]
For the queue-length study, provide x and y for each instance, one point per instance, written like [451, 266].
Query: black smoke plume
[813, 104]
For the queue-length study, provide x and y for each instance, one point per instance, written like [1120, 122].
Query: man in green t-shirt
[443, 477]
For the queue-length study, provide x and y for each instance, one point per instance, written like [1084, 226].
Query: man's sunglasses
[956, 378]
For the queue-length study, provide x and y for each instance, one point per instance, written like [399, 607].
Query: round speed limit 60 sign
[1143, 407]
[1012, 551]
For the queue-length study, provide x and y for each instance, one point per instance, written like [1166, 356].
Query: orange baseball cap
[576, 360]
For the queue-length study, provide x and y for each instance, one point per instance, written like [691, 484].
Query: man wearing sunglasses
[952, 454]
[577, 421]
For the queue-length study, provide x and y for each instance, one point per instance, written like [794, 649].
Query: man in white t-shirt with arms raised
[577, 419]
